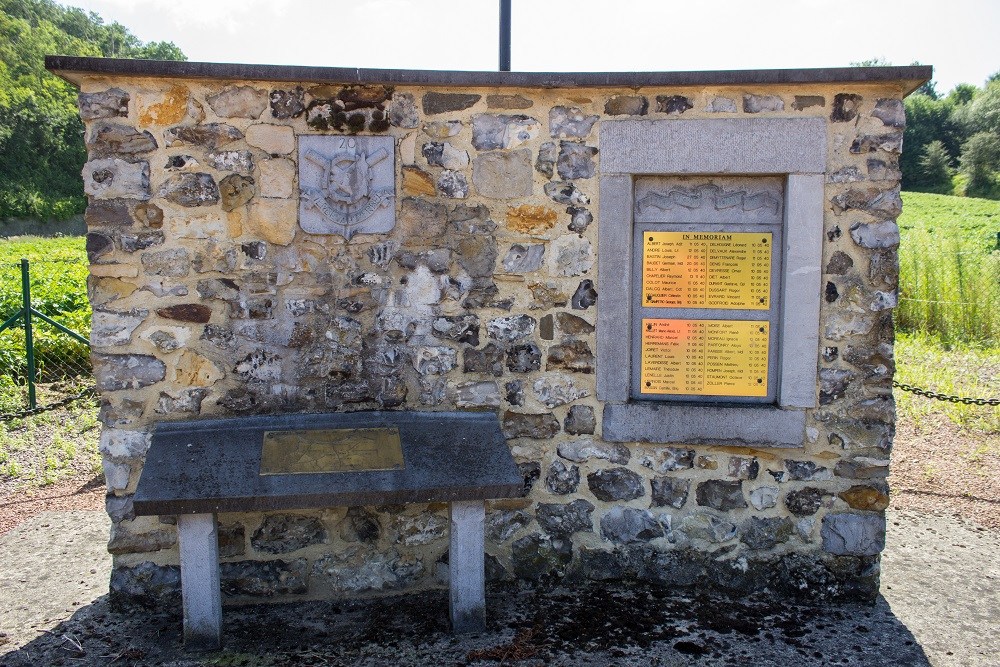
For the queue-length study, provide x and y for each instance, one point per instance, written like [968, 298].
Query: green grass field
[960, 370]
[950, 269]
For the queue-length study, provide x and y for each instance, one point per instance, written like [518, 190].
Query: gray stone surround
[795, 148]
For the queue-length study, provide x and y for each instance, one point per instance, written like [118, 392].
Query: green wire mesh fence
[44, 357]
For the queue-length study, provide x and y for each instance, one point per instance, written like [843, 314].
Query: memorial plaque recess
[707, 280]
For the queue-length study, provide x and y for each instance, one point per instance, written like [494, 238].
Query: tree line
[951, 144]
[41, 136]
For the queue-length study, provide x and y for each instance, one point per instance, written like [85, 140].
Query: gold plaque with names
[330, 450]
[729, 270]
[704, 357]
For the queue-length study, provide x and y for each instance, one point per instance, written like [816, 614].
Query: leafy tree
[871, 62]
[963, 93]
[984, 110]
[927, 120]
[41, 136]
[980, 158]
[935, 168]
[159, 51]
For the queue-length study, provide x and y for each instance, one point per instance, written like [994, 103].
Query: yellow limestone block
[236, 219]
[530, 219]
[103, 290]
[418, 182]
[114, 270]
[194, 370]
[173, 107]
[273, 220]
[273, 139]
[276, 178]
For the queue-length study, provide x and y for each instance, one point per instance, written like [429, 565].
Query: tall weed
[961, 370]
[949, 269]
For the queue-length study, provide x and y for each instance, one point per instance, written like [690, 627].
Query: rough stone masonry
[211, 299]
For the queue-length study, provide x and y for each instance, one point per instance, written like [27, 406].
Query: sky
[958, 37]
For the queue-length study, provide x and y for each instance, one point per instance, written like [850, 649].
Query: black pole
[504, 35]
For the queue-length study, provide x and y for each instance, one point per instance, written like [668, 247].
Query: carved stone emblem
[346, 185]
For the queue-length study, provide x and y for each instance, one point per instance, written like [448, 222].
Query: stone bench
[197, 469]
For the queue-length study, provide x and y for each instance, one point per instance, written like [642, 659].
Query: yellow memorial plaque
[330, 450]
[704, 357]
[706, 270]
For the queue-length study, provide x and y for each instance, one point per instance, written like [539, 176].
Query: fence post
[29, 344]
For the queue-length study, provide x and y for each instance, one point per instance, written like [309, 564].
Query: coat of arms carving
[347, 185]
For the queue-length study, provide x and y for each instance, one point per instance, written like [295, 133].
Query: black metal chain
[945, 397]
[28, 412]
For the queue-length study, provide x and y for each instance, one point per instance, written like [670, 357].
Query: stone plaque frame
[717, 205]
[347, 184]
[792, 148]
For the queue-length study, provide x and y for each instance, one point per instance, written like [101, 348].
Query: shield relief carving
[347, 185]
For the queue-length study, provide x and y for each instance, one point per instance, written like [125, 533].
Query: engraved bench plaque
[330, 450]
[347, 185]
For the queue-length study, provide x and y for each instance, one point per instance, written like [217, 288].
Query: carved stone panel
[727, 200]
[346, 185]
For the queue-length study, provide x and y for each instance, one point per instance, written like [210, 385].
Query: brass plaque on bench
[330, 450]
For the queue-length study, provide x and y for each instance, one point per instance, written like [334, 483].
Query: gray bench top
[212, 466]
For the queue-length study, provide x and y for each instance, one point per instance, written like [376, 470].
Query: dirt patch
[940, 469]
[78, 493]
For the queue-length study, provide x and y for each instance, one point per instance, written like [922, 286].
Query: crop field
[58, 280]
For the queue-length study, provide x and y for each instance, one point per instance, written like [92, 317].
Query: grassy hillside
[41, 136]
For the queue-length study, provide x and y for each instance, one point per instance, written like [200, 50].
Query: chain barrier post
[29, 345]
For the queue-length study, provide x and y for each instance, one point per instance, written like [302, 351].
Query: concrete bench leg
[199, 543]
[466, 566]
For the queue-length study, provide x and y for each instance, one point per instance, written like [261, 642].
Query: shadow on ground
[615, 624]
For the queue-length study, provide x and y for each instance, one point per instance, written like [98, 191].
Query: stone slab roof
[73, 69]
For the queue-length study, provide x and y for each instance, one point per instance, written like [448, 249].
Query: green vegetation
[959, 370]
[58, 289]
[952, 142]
[49, 447]
[950, 269]
[950, 136]
[41, 136]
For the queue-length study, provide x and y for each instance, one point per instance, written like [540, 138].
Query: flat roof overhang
[74, 69]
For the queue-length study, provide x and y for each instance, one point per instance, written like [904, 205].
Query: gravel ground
[938, 469]
[939, 606]
[78, 493]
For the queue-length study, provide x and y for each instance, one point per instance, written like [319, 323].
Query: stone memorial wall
[267, 244]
